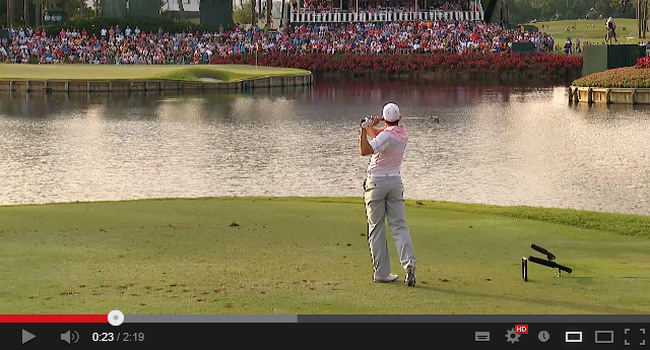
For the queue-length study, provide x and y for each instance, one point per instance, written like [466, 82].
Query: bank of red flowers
[637, 76]
[468, 67]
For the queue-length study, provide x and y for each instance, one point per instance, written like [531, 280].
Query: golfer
[611, 30]
[384, 195]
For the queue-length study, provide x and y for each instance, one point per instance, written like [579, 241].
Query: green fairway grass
[225, 72]
[591, 31]
[310, 256]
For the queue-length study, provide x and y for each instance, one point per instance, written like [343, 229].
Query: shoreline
[124, 85]
[486, 208]
[624, 85]
[81, 78]
[603, 95]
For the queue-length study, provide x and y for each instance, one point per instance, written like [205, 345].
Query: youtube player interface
[117, 330]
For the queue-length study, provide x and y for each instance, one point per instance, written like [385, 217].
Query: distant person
[384, 195]
[568, 46]
[610, 25]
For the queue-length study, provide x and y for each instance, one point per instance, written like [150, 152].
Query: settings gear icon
[511, 336]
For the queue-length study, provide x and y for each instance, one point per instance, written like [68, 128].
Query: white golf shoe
[390, 278]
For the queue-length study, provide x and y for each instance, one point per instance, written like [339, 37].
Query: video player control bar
[481, 332]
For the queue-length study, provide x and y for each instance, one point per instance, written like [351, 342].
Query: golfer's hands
[375, 120]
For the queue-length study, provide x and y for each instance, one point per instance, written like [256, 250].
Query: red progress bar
[50, 318]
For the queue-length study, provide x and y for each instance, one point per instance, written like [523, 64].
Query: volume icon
[70, 337]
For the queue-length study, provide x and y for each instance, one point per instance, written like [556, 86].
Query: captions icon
[481, 336]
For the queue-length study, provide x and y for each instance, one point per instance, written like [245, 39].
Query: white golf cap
[391, 112]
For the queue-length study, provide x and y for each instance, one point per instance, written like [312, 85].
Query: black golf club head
[550, 264]
[548, 254]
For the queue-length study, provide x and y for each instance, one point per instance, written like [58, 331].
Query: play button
[27, 336]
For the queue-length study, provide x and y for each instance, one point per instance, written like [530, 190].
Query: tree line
[525, 11]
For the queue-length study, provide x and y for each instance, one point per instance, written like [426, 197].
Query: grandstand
[354, 11]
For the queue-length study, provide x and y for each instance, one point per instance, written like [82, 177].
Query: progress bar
[52, 318]
[116, 318]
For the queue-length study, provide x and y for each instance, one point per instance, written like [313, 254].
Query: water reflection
[495, 145]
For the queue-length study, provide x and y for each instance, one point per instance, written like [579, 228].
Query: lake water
[492, 145]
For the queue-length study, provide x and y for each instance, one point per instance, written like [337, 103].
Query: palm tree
[38, 13]
[642, 17]
[181, 10]
[253, 13]
[282, 13]
[25, 13]
[10, 13]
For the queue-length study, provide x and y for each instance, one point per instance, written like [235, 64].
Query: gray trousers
[384, 198]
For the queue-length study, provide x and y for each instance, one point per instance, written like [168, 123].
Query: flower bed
[626, 77]
[465, 67]
[627, 85]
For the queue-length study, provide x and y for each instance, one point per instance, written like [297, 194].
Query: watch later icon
[543, 336]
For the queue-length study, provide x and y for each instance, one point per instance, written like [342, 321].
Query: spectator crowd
[115, 45]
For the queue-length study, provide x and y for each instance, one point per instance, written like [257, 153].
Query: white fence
[384, 16]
